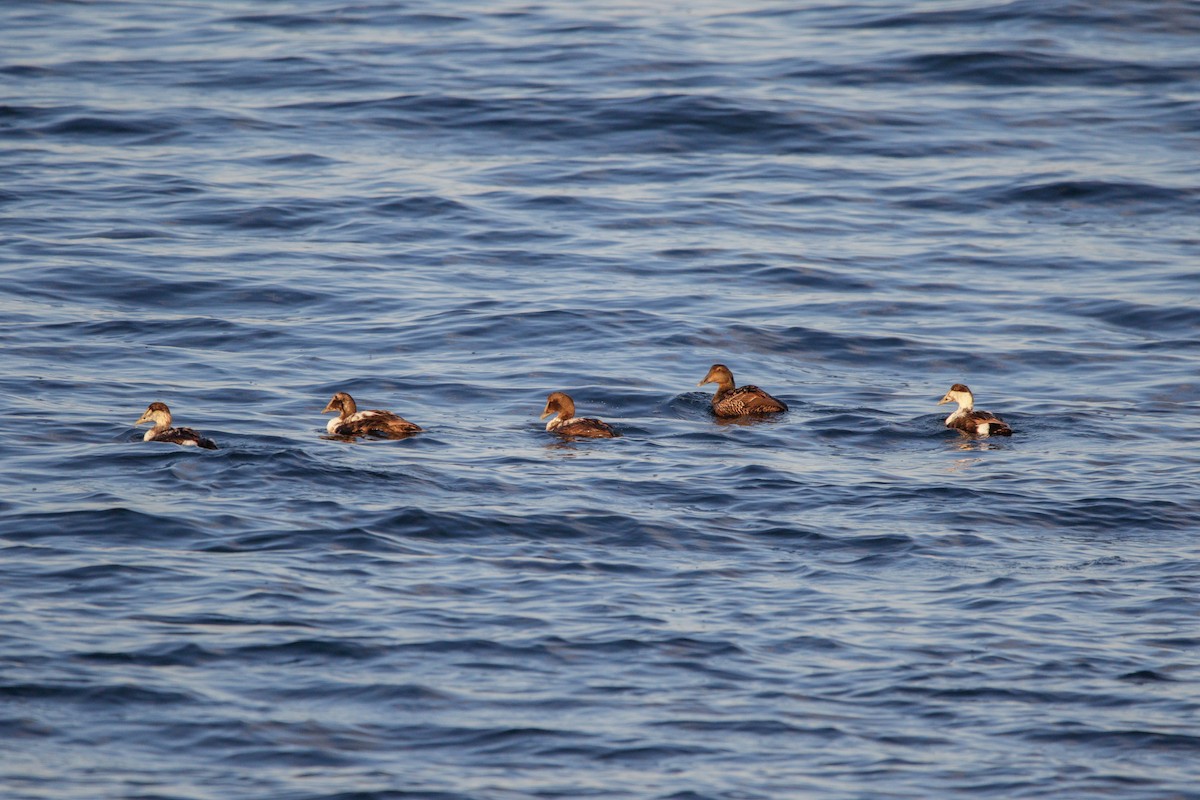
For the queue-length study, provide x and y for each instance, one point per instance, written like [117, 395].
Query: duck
[731, 402]
[160, 415]
[352, 422]
[565, 423]
[967, 419]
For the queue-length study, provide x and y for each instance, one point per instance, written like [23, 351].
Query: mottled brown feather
[380, 423]
[587, 427]
[183, 436]
[745, 400]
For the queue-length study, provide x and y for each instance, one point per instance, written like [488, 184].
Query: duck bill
[142, 420]
[328, 408]
[945, 400]
[545, 413]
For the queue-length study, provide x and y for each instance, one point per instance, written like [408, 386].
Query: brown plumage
[735, 402]
[565, 423]
[352, 422]
[160, 416]
[967, 419]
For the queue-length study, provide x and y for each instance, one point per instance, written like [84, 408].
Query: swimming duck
[160, 415]
[967, 419]
[567, 424]
[352, 422]
[731, 402]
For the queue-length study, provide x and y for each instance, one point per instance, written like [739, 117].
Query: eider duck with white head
[968, 419]
[735, 402]
[352, 422]
[565, 423]
[160, 416]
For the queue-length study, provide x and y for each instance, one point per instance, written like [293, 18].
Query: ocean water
[450, 210]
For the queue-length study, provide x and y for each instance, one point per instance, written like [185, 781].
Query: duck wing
[186, 437]
[746, 400]
[586, 427]
[365, 423]
[982, 423]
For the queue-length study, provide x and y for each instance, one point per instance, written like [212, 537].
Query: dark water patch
[1130, 197]
[292, 757]
[318, 650]
[116, 695]
[1030, 68]
[507, 740]
[755, 727]
[109, 574]
[25, 113]
[547, 326]
[1108, 514]
[612, 527]
[653, 124]
[1030, 15]
[283, 75]
[1148, 740]
[347, 16]
[190, 332]
[388, 794]
[847, 348]
[870, 544]
[299, 21]
[295, 215]
[258, 540]
[26, 71]
[161, 655]
[25, 728]
[1145, 676]
[125, 126]
[1158, 320]
[423, 206]
[131, 234]
[108, 525]
[801, 277]
[298, 160]
[156, 289]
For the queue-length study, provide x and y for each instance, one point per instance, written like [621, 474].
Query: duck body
[565, 423]
[970, 420]
[736, 401]
[352, 422]
[160, 416]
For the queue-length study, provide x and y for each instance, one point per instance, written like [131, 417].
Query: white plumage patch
[558, 422]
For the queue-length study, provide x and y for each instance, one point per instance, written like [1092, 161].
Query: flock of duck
[728, 401]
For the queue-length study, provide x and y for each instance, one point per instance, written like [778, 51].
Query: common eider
[967, 419]
[160, 415]
[731, 402]
[567, 424]
[352, 422]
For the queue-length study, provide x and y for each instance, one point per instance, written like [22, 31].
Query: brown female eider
[352, 422]
[731, 402]
[567, 424]
[160, 415]
[967, 419]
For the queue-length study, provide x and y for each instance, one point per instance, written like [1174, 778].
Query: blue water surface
[450, 210]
